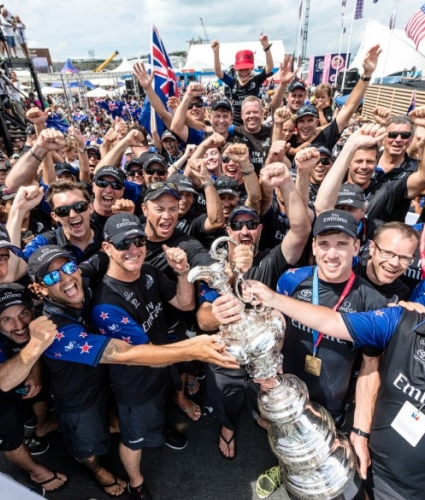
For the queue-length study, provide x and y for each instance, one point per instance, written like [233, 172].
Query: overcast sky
[72, 28]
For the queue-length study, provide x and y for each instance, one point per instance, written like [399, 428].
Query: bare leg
[46, 422]
[131, 460]
[104, 477]
[22, 458]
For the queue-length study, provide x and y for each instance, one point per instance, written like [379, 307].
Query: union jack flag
[165, 84]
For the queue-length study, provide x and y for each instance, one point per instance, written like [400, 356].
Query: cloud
[71, 29]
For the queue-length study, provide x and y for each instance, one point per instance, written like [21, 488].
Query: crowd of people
[100, 227]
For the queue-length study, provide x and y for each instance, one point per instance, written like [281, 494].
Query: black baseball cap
[168, 135]
[94, 151]
[324, 150]
[120, 226]
[40, 260]
[352, 195]
[135, 161]
[5, 242]
[338, 220]
[157, 189]
[184, 184]
[295, 85]
[148, 158]
[61, 168]
[222, 103]
[14, 294]
[109, 170]
[307, 110]
[226, 185]
[243, 209]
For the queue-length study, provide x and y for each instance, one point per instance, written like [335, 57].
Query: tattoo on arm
[111, 350]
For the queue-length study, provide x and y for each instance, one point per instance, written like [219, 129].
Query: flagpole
[339, 53]
[348, 46]
[153, 117]
[392, 25]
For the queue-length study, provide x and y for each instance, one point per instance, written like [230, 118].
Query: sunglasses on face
[133, 173]
[79, 207]
[237, 225]
[94, 155]
[54, 277]
[126, 243]
[225, 159]
[198, 105]
[403, 135]
[162, 184]
[153, 171]
[103, 183]
[325, 161]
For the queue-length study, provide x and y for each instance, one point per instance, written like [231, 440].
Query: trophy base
[354, 491]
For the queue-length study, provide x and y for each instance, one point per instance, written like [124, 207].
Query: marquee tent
[398, 51]
[68, 67]
[201, 57]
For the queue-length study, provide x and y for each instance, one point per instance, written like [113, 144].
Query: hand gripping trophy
[316, 461]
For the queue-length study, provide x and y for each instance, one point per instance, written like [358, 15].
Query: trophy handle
[221, 254]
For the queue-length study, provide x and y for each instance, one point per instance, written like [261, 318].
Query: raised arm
[416, 181]
[264, 40]
[133, 139]
[178, 124]
[24, 172]
[82, 154]
[145, 80]
[295, 240]
[369, 64]
[284, 75]
[217, 65]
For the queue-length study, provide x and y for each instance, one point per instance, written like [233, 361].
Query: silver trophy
[316, 461]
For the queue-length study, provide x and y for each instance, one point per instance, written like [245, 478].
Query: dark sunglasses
[162, 184]
[225, 159]
[54, 277]
[103, 183]
[237, 225]
[195, 105]
[325, 161]
[94, 155]
[152, 171]
[395, 134]
[79, 207]
[126, 243]
[137, 171]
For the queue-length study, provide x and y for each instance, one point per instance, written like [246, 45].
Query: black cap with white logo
[335, 220]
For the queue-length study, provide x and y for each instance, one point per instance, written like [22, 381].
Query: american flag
[165, 84]
[415, 28]
[358, 14]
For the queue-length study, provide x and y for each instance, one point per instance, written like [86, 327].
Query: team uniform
[396, 457]
[338, 357]
[134, 313]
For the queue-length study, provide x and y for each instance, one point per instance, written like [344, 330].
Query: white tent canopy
[398, 51]
[124, 67]
[97, 93]
[51, 90]
[201, 57]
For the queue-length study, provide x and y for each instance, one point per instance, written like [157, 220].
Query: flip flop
[228, 443]
[191, 385]
[114, 483]
[55, 476]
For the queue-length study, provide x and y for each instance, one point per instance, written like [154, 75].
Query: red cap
[244, 60]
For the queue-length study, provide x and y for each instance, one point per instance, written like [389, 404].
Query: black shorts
[11, 425]
[87, 433]
[142, 426]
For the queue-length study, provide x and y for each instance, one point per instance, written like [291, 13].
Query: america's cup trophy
[316, 461]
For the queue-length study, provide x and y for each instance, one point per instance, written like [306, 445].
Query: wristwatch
[82, 150]
[360, 433]
[366, 78]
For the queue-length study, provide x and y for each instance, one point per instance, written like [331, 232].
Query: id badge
[410, 423]
[313, 365]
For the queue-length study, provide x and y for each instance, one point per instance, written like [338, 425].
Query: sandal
[42, 484]
[228, 443]
[114, 483]
[192, 388]
[268, 482]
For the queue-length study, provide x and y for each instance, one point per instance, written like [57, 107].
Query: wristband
[360, 433]
[206, 184]
[366, 78]
[249, 171]
[267, 48]
[35, 156]
[184, 272]
[82, 150]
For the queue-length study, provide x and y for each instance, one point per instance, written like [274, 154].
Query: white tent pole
[392, 21]
[348, 46]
